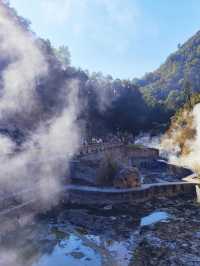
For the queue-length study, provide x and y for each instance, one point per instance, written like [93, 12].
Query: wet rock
[149, 254]
[108, 207]
[77, 255]
[173, 243]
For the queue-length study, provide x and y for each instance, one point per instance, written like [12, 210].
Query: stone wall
[136, 195]
[127, 150]
[90, 197]
[85, 168]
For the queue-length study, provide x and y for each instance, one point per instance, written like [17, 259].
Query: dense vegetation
[167, 82]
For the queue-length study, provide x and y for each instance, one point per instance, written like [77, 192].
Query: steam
[8, 259]
[26, 67]
[148, 141]
[43, 159]
[191, 157]
[180, 146]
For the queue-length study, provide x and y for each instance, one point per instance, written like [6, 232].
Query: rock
[108, 207]
[128, 177]
[77, 255]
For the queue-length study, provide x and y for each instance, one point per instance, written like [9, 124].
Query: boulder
[127, 177]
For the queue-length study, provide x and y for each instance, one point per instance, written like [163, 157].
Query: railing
[95, 148]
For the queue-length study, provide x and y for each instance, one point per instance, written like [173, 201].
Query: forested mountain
[167, 82]
[106, 104]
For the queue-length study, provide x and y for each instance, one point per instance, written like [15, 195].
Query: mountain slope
[167, 82]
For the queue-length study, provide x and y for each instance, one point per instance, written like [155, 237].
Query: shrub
[108, 169]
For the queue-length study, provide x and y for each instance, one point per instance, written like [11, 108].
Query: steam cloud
[44, 157]
[191, 158]
[26, 67]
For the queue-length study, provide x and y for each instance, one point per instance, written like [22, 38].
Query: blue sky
[124, 38]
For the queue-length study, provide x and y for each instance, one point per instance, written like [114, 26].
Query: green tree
[187, 92]
[63, 55]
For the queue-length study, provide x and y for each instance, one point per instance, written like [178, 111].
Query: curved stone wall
[96, 196]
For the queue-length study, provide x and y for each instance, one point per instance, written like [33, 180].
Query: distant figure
[93, 140]
[99, 141]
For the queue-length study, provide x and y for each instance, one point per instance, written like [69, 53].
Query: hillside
[167, 82]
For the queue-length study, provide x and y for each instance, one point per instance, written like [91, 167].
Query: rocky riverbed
[160, 232]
